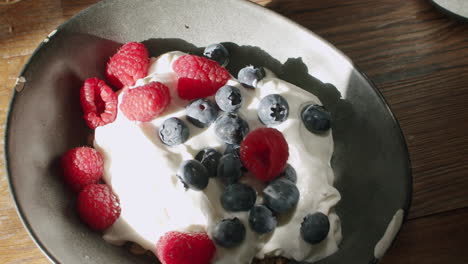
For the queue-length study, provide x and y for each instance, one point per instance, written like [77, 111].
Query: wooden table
[414, 54]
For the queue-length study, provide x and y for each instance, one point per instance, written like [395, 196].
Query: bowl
[370, 159]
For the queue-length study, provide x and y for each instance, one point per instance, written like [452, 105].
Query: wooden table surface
[416, 56]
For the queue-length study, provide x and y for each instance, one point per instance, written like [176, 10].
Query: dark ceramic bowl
[370, 162]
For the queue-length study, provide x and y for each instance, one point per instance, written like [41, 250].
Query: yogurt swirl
[142, 172]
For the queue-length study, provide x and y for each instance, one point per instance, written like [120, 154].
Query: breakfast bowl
[370, 160]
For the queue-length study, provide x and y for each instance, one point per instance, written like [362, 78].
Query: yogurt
[142, 172]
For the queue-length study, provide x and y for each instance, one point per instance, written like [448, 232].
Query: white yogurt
[142, 172]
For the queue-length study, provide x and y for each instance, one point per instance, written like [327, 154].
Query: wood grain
[417, 57]
[444, 240]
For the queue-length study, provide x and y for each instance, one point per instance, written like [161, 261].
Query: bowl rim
[36, 239]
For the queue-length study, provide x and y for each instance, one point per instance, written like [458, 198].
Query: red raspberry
[82, 166]
[182, 248]
[99, 103]
[199, 77]
[98, 207]
[130, 63]
[146, 102]
[264, 152]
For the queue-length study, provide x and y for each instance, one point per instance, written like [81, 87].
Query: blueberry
[316, 118]
[315, 227]
[230, 128]
[218, 53]
[273, 109]
[229, 168]
[210, 159]
[229, 233]
[261, 219]
[193, 175]
[232, 148]
[229, 98]
[250, 75]
[281, 195]
[238, 197]
[173, 131]
[289, 173]
[201, 112]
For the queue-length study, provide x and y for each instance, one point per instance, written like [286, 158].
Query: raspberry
[99, 103]
[182, 248]
[199, 77]
[98, 207]
[264, 152]
[146, 102]
[82, 166]
[130, 63]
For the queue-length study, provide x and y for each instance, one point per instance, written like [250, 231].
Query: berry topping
[210, 159]
[129, 64]
[229, 169]
[82, 166]
[99, 103]
[315, 227]
[232, 148]
[316, 118]
[249, 76]
[218, 53]
[97, 206]
[173, 131]
[229, 233]
[273, 109]
[201, 113]
[229, 98]
[289, 173]
[238, 197]
[261, 219]
[230, 128]
[281, 195]
[181, 248]
[198, 77]
[193, 175]
[146, 102]
[264, 152]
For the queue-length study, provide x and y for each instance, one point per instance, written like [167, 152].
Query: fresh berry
[315, 228]
[201, 112]
[230, 128]
[235, 150]
[82, 166]
[218, 53]
[289, 173]
[229, 233]
[210, 159]
[273, 109]
[181, 248]
[249, 76]
[232, 148]
[281, 195]
[261, 219]
[198, 77]
[229, 98]
[229, 168]
[97, 206]
[264, 152]
[173, 131]
[238, 197]
[193, 175]
[146, 102]
[316, 118]
[130, 63]
[99, 103]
